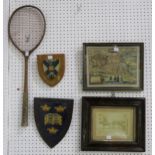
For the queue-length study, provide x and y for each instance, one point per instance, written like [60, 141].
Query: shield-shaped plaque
[53, 118]
[51, 68]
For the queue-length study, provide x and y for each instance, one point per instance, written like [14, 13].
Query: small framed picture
[113, 66]
[113, 124]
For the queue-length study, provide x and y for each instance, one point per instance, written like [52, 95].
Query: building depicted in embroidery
[53, 119]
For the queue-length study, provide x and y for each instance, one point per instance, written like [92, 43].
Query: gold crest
[60, 108]
[52, 130]
[45, 108]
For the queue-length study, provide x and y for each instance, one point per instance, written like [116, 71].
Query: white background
[69, 24]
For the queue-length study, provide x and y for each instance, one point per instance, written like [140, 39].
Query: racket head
[26, 28]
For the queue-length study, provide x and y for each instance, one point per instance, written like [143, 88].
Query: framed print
[113, 66]
[113, 124]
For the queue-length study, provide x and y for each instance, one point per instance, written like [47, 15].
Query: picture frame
[113, 66]
[113, 124]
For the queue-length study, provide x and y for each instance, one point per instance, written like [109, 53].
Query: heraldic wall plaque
[53, 118]
[51, 68]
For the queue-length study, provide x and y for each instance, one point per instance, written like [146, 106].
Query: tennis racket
[26, 30]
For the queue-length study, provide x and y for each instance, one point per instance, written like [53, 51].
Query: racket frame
[24, 121]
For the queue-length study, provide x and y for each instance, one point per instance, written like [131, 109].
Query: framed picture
[113, 66]
[113, 124]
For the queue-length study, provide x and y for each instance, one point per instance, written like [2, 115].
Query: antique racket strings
[26, 30]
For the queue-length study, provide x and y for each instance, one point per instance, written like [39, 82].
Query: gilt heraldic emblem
[53, 118]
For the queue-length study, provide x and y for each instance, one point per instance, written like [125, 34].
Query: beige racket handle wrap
[25, 96]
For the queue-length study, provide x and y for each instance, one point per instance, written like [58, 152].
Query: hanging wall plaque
[53, 118]
[51, 68]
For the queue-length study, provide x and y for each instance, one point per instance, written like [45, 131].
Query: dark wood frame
[136, 146]
[141, 85]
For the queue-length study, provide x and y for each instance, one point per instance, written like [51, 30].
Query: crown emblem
[45, 108]
[52, 130]
[60, 108]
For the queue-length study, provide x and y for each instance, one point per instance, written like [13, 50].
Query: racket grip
[25, 110]
[25, 97]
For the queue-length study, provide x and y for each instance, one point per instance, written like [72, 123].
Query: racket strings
[27, 28]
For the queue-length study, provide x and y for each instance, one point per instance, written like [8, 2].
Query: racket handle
[25, 97]
[25, 110]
